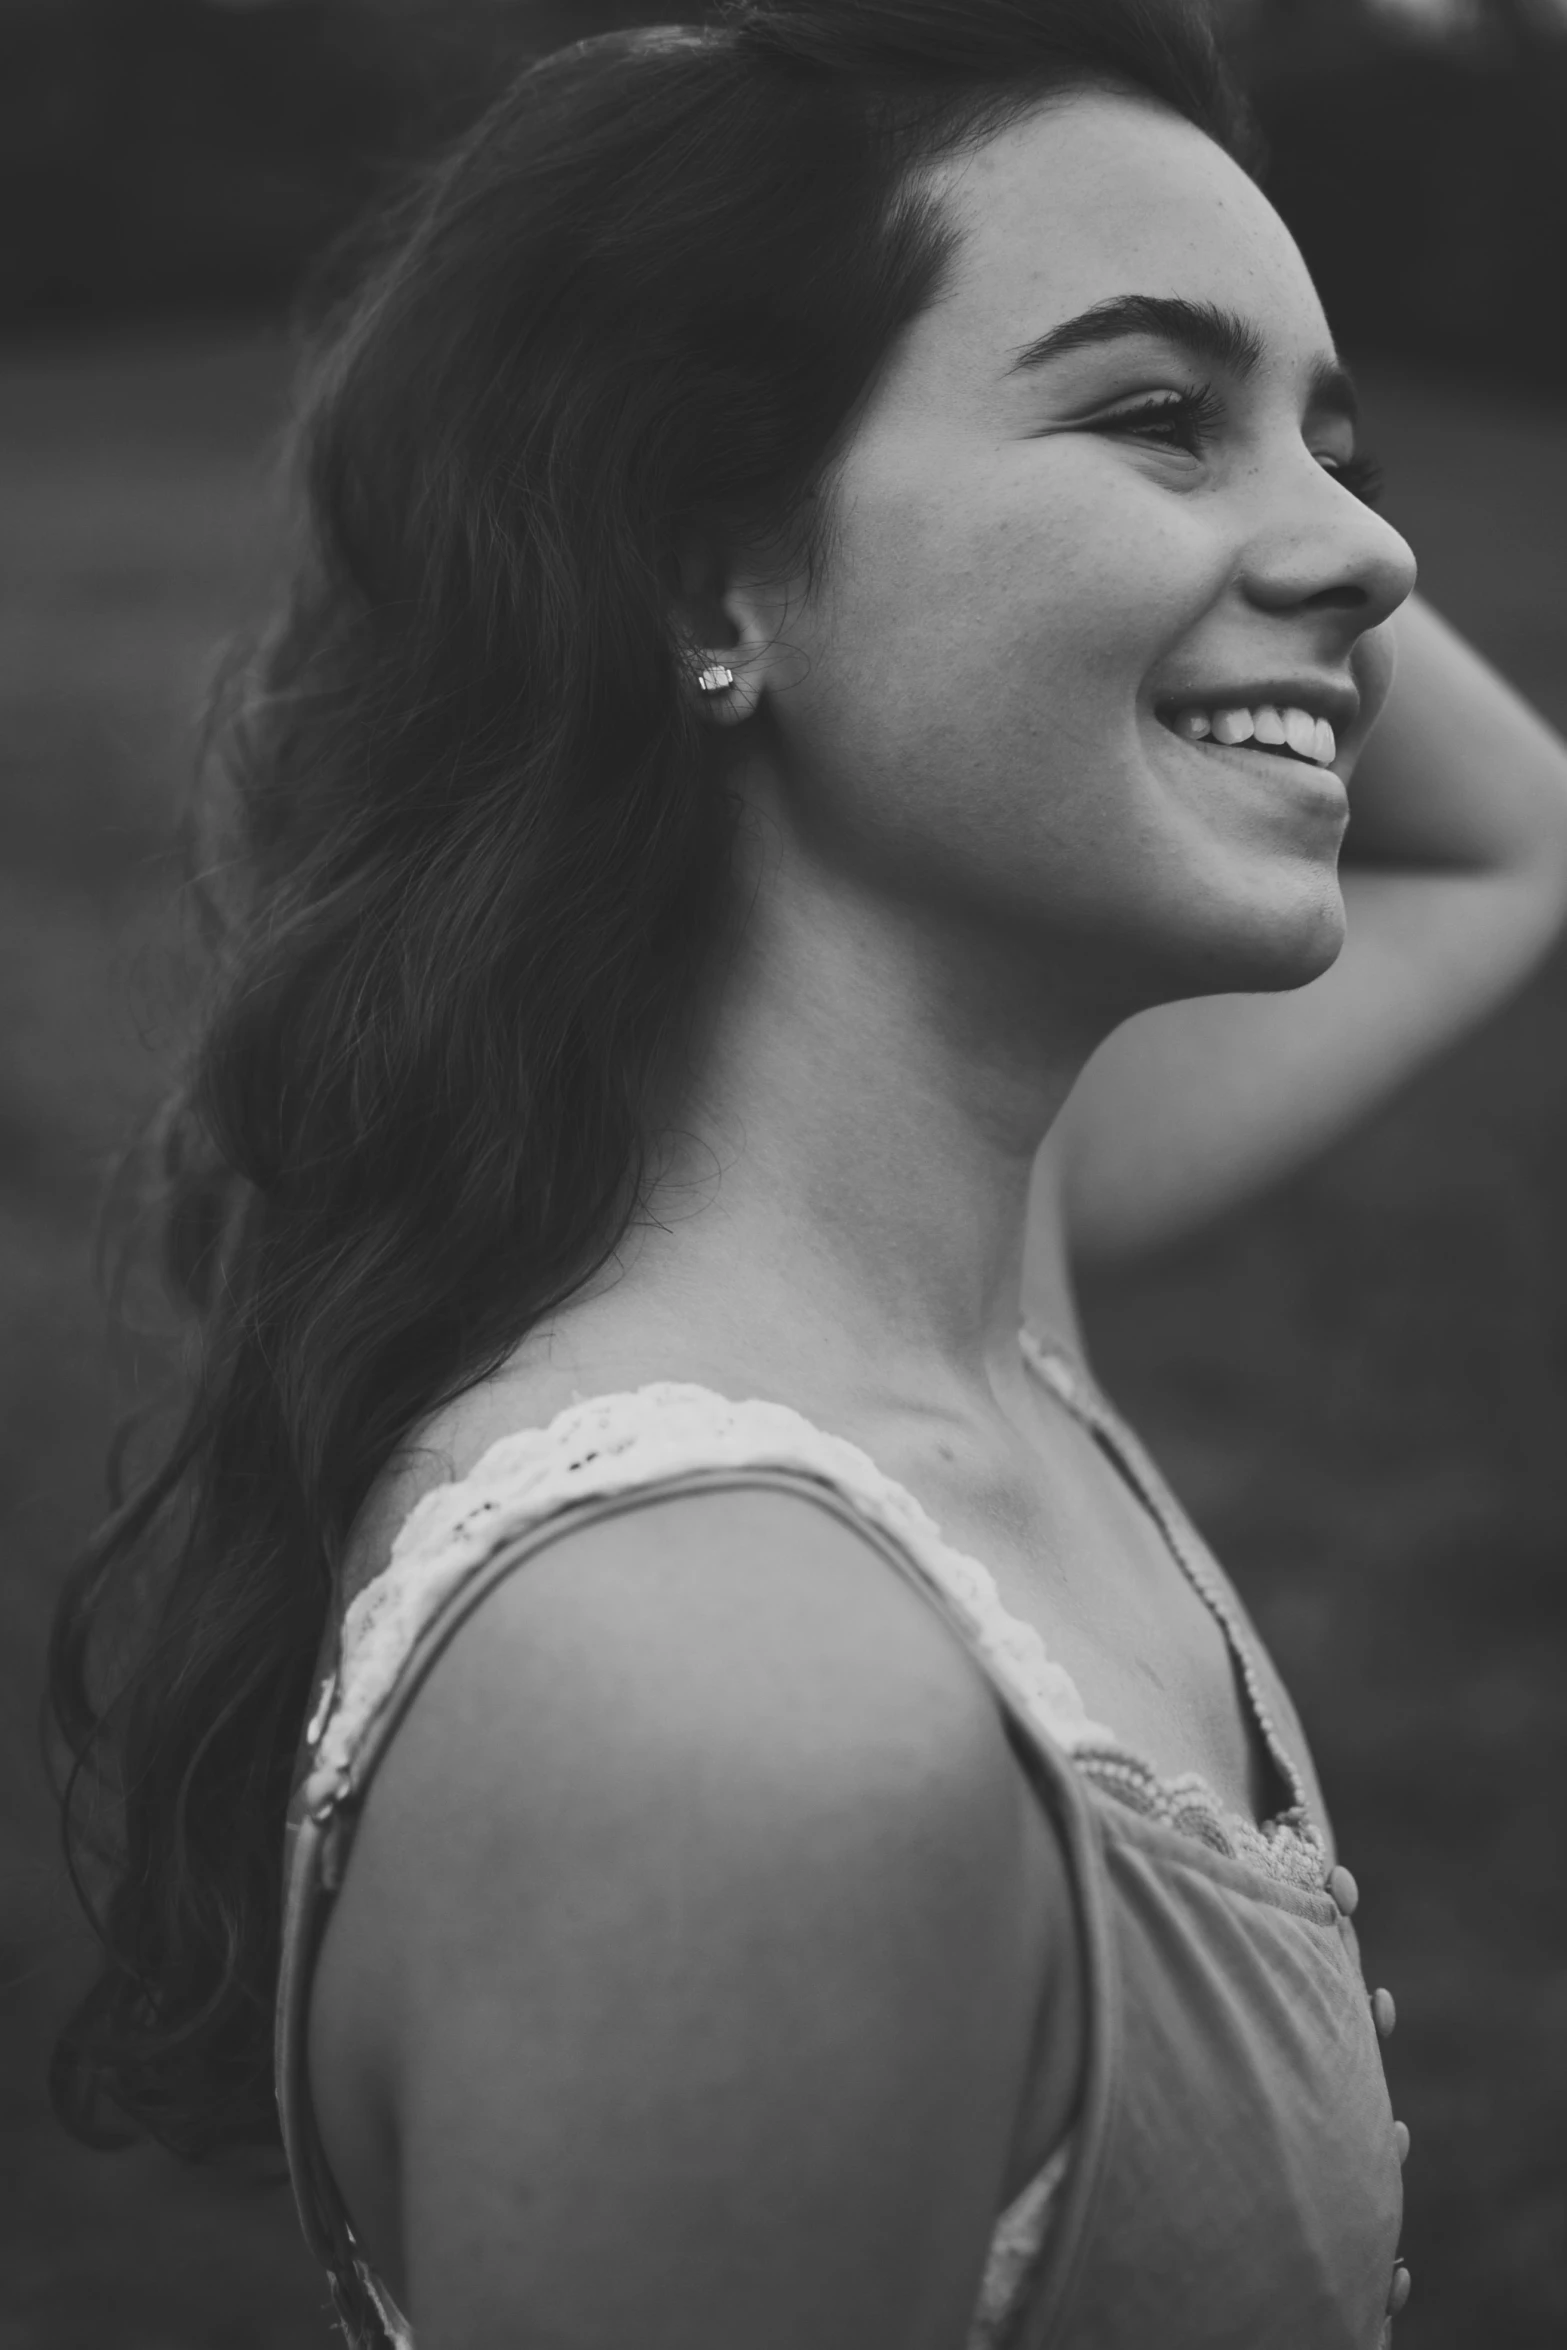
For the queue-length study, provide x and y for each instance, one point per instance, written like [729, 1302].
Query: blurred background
[1358, 1385]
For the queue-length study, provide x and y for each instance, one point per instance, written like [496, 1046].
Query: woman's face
[1070, 538]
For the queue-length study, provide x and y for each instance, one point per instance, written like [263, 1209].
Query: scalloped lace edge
[614, 1443]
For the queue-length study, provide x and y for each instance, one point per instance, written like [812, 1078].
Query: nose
[1323, 549]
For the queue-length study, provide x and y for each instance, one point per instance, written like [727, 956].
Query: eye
[1188, 420]
[1183, 420]
[1361, 475]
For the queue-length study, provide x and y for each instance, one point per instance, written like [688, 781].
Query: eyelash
[1200, 413]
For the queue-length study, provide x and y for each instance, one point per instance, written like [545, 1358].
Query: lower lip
[1307, 781]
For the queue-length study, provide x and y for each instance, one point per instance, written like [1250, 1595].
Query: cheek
[1031, 593]
[974, 669]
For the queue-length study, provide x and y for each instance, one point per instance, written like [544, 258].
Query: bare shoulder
[554, 1367]
[701, 1858]
[445, 1446]
[744, 1654]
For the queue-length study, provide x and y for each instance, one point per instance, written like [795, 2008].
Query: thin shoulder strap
[1070, 1381]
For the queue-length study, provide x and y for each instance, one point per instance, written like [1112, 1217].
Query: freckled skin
[965, 712]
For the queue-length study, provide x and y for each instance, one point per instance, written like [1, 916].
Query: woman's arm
[693, 1950]
[1455, 882]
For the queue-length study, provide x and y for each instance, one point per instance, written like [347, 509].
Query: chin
[1293, 945]
[1264, 948]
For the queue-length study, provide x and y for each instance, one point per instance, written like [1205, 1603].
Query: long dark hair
[467, 863]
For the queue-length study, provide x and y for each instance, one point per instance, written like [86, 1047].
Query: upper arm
[1193, 1106]
[687, 1944]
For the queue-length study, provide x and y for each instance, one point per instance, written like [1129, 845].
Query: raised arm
[691, 1954]
[1455, 882]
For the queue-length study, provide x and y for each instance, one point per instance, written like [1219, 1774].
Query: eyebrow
[1204, 329]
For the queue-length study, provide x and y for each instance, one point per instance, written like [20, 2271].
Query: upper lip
[1335, 699]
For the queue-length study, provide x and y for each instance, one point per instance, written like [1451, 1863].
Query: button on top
[1344, 1890]
[1384, 2013]
[1401, 2140]
[1398, 2290]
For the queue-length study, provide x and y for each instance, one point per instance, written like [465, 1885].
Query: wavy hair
[466, 865]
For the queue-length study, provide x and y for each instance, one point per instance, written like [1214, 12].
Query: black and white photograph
[783, 1175]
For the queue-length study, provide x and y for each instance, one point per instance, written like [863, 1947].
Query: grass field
[1359, 1384]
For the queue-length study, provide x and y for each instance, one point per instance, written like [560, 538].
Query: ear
[730, 618]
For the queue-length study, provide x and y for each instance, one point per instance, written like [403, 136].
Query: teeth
[1300, 732]
[1308, 737]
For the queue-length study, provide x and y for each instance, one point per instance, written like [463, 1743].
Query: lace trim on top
[607, 1444]
[613, 1444]
[1289, 1846]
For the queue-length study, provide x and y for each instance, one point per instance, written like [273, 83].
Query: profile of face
[1090, 510]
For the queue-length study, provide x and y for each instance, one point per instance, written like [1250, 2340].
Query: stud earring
[715, 678]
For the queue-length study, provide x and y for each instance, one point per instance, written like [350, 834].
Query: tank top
[1232, 2175]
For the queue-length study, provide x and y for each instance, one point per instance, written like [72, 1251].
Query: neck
[853, 1173]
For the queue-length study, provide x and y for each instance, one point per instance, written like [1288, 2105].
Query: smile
[1288, 733]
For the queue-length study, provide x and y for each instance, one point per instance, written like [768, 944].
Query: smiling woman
[841, 596]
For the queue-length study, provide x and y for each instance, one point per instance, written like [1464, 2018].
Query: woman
[806, 766]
